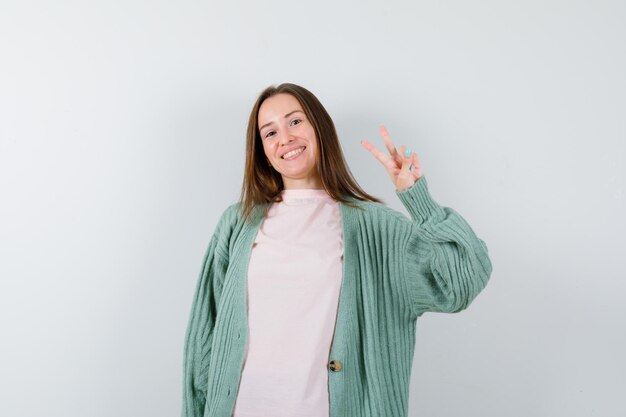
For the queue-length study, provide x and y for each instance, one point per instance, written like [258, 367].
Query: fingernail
[407, 153]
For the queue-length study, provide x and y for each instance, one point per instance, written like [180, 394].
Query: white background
[122, 129]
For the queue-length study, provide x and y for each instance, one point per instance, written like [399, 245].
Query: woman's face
[289, 141]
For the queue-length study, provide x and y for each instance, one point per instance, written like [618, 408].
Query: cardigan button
[335, 365]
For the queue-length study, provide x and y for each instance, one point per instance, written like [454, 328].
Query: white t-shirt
[294, 279]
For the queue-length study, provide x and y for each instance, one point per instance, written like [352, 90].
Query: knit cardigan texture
[394, 270]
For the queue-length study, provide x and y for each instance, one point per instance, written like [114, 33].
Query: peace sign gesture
[403, 166]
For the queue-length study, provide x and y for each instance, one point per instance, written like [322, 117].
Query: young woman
[308, 298]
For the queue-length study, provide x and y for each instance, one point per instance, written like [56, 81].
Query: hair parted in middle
[262, 184]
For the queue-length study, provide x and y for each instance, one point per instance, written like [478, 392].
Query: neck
[294, 184]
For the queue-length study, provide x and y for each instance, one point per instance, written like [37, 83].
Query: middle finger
[390, 146]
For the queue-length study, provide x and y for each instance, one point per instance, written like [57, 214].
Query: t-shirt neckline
[300, 193]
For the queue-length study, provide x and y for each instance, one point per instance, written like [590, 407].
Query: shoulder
[233, 224]
[226, 231]
[374, 212]
[231, 216]
[231, 213]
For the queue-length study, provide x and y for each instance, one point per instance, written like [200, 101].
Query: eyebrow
[287, 115]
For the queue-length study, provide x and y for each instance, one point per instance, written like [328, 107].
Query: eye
[296, 122]
[270, 133]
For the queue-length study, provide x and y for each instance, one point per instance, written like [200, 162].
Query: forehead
[276, 107]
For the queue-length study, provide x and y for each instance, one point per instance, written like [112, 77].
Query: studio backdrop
[122, 129]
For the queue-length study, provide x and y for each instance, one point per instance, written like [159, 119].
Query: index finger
[389, 145]
[384, 159]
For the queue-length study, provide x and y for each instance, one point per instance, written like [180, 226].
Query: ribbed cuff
[419, 203]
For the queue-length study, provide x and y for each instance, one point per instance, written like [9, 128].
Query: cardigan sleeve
[201, 323]
[445, 264]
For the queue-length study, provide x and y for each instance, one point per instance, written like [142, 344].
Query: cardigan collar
[348, 221]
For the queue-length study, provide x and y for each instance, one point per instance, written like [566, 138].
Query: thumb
[407, 160]
[405, 178]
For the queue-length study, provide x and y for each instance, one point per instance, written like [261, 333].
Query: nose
[284, 137]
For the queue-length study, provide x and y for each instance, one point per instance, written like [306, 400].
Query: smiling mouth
[293, 154]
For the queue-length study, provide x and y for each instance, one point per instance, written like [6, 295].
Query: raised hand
[403, 168]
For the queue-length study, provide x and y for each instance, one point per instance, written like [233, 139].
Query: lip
[291, 149]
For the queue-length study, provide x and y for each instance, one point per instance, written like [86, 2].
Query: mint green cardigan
[394, 270]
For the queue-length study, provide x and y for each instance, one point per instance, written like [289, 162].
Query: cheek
[267, 149]
[310, 135]
[314, 145]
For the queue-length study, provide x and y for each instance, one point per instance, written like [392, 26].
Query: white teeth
[292, 153]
